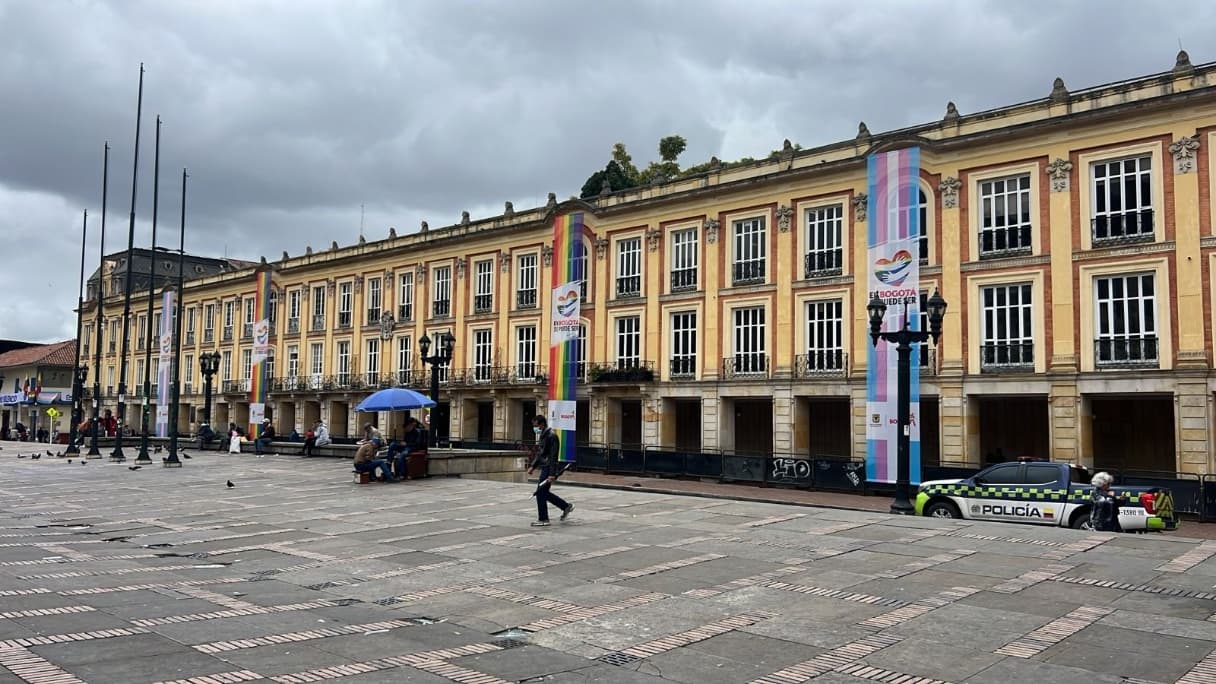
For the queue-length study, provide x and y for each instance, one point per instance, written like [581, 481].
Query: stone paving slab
[298, 575]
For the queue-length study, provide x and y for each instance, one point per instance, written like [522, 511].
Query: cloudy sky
[293, 114]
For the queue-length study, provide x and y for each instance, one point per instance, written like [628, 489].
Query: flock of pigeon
[83, 461]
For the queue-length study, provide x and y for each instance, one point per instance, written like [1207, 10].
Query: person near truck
[1104, 513]
[547, 463]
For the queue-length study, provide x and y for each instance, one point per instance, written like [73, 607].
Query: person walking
[1104, 514]
[547, 463]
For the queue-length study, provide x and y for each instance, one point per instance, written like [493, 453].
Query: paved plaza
[298, 575]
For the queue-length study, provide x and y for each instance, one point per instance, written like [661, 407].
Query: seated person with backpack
[413, 442]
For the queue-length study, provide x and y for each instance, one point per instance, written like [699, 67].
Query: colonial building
[1071, 235]
[33, 379]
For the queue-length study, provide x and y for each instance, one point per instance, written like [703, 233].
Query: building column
[1063, 405]
[599, 418]
[652, 420]
[953, 416]
[783, 420]
[711, 342]
[711, 420]
[1063, 357]
[950, 258]
[860, 419]
[1193, 406]
[1189, 262]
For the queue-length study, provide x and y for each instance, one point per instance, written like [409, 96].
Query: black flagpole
[116, 456]
[78, 370]
[175, 398]
[94, 452]
[143, 457]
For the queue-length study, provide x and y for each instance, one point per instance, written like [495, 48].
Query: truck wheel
[942, 509]
[1080, 521]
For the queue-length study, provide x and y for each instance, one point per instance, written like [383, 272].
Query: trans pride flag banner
[259, 384]
[164, 371]
[563, 335]
[894, 275]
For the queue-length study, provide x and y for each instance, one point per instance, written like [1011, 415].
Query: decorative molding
[1184, 149]
[424, 227]
[711, 230]
[508, 211]
[860, 203]
[652, 239]
[504, 262]
[601, 247]
[420, 270]
[1129, 250]
[1060, 171]
[951, 113]
[464, 218]
[784, 217]
[461, 262]
[1059, 93]
[387, 323]
[546, 254]
[1207, 241]
[998, 264]
[332, 286]
[949, 189]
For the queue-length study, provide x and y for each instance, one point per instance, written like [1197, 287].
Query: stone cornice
[1000, 264]
[1125, 251]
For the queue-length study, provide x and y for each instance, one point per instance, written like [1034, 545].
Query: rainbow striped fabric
[563, 337]
[259, 384]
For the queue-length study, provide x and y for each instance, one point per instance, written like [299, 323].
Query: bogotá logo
[895, 270]
[567, 304]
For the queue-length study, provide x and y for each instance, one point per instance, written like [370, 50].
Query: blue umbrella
[394, 399]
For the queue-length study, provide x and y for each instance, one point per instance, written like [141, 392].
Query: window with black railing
[1122, 200]
[750, 251]
[441, 308]
[247, 331]
[1126, 324]
[208, 336]
[629, 286]
[750, 343]
[293, 326]
[683, 367]
[405, 312]
[745, 365]
[1126, 351]
[684, 280]
[1128, 226]
[227, 336]
[525, 299]
[683, 344]
[1005, 224]
[824, 234]
[318, 322]
[344, 318]
[820, 362]
[373, 316]
[483, 303]
[823, 264]
[747, 273]
[1005, 356]
[190, 338]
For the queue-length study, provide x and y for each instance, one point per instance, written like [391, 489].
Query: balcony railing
[344, 319]
[1006, 356]
[112, 347]
[405, 312]
[373, 316]
[1126, 351]
[683, 280]
[528, 373]
[293, 326]
[1119, 228]
[483, 303]
[377, 380]
[234, 386]
[441, 308]
[209, 336]
[683, 368]
[622, 371]
[821, 363]
[187, 388]
[629, 286]
[745, 366]
[139, 343]
[525, 299]
[1006, 241]
[109, 390]
[819, 264]
[318, 322]
[227, 335]
[747, 272]
[247, 331]
[413, 377]
[190, 337]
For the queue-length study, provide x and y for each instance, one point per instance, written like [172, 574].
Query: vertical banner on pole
[563, 335]
[164, 367]
[258, 382]
[894, 275]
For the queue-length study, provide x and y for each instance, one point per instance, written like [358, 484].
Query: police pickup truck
[1041, 493]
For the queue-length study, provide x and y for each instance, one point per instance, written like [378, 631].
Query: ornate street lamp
[80, 373]
[208, 365]
[904, 339]
[442, 357]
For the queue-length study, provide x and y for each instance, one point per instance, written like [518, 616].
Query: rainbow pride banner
[894, 275]
[259, 384]
[563, 335]
[164, 369]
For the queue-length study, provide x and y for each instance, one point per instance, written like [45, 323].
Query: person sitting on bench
[412, 442]
[206, 436]
[318, 436]
[366, 461]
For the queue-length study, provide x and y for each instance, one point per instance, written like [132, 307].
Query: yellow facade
[1112, 297]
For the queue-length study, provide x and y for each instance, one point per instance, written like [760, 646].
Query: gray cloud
[292, 115]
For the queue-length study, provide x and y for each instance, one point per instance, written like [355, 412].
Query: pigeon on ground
[134, 467]
[230, 485]
[158, 449]
[35, 457]
[49, 453]
[20, 455]
[83, 462]
[59, 455]
[185, 455]
[69, 460]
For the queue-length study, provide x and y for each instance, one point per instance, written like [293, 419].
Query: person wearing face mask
[546, 462]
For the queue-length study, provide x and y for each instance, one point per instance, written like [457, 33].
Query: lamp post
[175, 396]
[143, 457]
[442, 357]
[904, 339]
[94, 452]
[208, 365]
[80, 373]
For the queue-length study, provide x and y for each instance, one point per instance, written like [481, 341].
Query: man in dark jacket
[547, 463]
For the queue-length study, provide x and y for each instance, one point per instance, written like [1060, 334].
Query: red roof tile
[57, 354]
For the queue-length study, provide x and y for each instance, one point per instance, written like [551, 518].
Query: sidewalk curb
[724, 497]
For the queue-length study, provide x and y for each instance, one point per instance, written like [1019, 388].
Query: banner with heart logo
[893, 212]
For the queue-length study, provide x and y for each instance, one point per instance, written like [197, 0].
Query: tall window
[374, 304]
[750, 250]
[229, 319]
[346, 299]
[141, 325]
[582, 351]
[824, 346]
[1008, 332]
[110, 380]
[582, 266]
[114, 335]
[1005, 216]
[190, 325]
[684, 344]
[525, 352]
[405, 360]
[247, 329]
[1123, 200]
[209, 323]
[628, 342]
[922, 216]
[268, 363]
[246, 368]
[483, 292]
[441, 300]
[318, 308]
[629, 267]
[344, 362]
[188, 385]
[405, 298]
[273, 307]
[372, 365]
[316, 360]
[293, 365]
[442, 371]
[139, 374]
[293, 310]
[525, 291]
[85, 339]
[824, 244]
[749, 352]
[226, 366]
[684, 260]
[1126, 320]
[483, 354]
